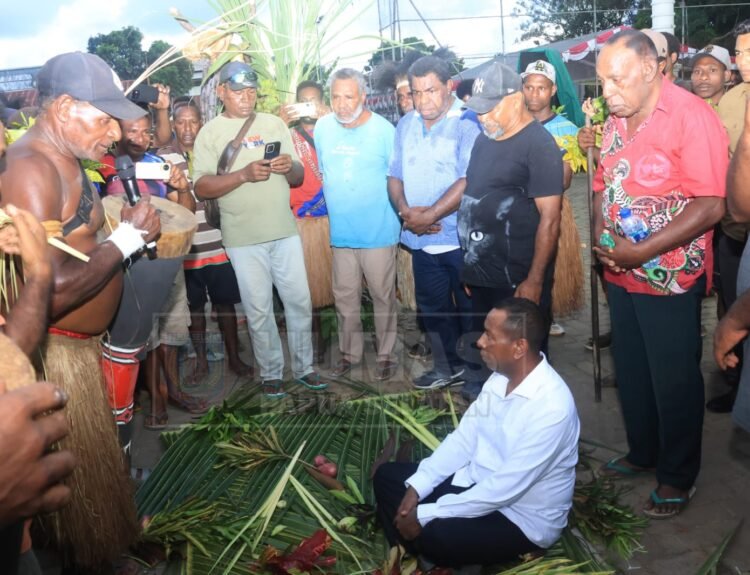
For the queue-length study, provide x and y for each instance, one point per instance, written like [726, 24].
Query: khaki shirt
[732, 114]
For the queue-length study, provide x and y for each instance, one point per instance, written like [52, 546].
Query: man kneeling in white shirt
[502, 483]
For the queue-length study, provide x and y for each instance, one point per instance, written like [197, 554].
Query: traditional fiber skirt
[567, 291]
[100, 522]
[405, 279]
[316, 243]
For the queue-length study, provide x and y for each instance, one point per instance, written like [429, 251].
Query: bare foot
[240, 368]
[201, 371]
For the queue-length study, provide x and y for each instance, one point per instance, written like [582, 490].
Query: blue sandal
[614, 469]
[312, 381]
[679, 502]
[272, 389]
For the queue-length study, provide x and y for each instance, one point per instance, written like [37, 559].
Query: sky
[33, 31]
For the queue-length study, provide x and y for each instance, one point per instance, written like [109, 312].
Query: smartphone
[144, 94]
[273, 149]
[152, 171]
[304, 110]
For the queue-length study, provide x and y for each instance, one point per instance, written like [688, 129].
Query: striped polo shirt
[208, 248]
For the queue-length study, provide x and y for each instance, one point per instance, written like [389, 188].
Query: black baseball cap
[88, 78]
[491, 86]
[238, 76]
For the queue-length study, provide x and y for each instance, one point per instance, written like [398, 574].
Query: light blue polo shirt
[354, 163]
[430, 162]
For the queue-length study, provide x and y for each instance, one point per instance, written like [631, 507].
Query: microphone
[126, 172]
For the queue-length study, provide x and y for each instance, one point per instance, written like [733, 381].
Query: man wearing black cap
[509, 218]
[258, 227]
[81, 99]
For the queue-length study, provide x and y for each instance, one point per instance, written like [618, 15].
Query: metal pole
[413, 5]
[593, 240]
[502, 26]
[593, 284]
[394, 9]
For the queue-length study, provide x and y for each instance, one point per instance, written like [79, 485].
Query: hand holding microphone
[139, 217]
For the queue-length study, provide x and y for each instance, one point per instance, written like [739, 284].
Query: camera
[144, 94]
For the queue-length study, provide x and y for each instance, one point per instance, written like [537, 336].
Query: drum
[178, 224]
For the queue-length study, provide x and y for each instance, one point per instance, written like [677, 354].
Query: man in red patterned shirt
[653, 163]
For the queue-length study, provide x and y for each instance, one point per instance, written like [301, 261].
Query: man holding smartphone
[308, 204]
[258, 228]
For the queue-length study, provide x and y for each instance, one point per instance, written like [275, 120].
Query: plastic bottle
[636, 230]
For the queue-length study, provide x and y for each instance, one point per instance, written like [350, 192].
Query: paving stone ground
[674, 547]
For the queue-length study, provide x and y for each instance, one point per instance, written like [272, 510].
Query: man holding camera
[259, 231]
[154, 311]
[308, 204]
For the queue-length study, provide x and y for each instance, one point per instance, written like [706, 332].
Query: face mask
[493, 135]
[357, 113]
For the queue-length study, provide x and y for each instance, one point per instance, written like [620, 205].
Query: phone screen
[272, 150]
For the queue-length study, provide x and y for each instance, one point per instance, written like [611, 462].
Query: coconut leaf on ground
[351, 433]
[712, 563]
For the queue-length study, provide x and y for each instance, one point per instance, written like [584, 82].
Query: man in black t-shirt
[509, 218]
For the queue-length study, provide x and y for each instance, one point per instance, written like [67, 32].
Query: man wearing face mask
[509, 217]
[354, 147]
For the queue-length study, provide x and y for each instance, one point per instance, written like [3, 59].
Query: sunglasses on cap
[249, 78]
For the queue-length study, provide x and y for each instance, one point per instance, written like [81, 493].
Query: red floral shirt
[678, 154]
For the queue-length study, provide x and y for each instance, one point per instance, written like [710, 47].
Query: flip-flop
[272, 388]
[613, 469]
[311, 381]
[681, 503]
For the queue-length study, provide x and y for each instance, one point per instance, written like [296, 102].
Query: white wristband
[127, 238]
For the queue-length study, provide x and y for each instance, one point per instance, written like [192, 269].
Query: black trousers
[450, 542]
[728, 255]
[657, 347]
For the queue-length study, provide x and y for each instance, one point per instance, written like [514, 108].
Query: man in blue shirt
[427, 177]
[354, 146]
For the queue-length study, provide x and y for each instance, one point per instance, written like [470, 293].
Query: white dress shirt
[516, 453]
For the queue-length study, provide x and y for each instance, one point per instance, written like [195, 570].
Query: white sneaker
[556, 329]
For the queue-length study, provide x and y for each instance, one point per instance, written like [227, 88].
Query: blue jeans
[444, 307]
[258, 268]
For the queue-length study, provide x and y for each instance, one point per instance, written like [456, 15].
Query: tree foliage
[704, 24]
[122, 50]
[178, 76]
[561, 19]
[389, 51]
[394, 51]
